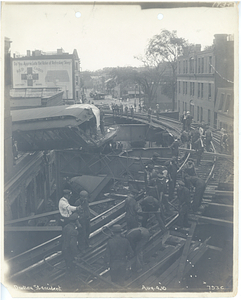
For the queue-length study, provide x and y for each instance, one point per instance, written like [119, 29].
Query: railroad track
[163, 255]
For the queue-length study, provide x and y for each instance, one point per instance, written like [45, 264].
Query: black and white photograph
[119, 149]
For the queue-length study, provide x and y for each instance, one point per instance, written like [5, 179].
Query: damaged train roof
[57, 127]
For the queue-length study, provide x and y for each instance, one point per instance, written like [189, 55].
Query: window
[202, 65]
[198, 91]
[210, 64]
[179, 106]
[221, 102]
[77, 95]
[201, 117]
[192, 91]
[186, 66]
[186, 87]
[209, 91]
[191, 62]
[183, 66]
[183, 87]
[209, 117]
[179, 67]
[227, 104]
[179, 87]
[199, 63]
[76, 80]
[185, 106]
[198, 114]
[201, 90]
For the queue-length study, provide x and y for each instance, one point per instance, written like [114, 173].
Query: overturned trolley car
[59, 127]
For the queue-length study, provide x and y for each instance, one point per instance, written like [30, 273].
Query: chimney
[28, 52]
[60, 51]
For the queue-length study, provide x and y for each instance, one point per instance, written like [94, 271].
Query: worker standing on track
[208, 138]
[188, 121]
[69, 245]
[188, 171]
[132, 209]
[150, 205]
[172, 168]
[200, 187]
[183, 120]
[83, 202]
[157, 111]
[66, 210]
[149, 112]
[175, 148]
[118, 251]
[184, 203]
[138, 237]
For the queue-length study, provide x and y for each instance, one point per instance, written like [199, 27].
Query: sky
[108, 35]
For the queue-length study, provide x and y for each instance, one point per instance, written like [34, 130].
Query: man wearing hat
[200, 187]
[69, 246]
[83, 203]
[184, 203]
[118, 251]
[172, 168]
[132, 209]
[65, 208]
[188, 170]
[151, 205]
[188, 121]
[208, 138]
[138, 237]
[175, 148]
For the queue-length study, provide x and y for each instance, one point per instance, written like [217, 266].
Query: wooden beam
[32, 228]
[110, 283]
[93, 212]
[214, 221]
[32, 217]
[209, 153]
[183, 259]
[218, 204]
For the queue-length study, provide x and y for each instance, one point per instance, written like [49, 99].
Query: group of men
[198, 139]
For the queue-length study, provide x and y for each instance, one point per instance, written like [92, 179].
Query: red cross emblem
[30, 76]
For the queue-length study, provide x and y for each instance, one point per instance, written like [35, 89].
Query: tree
[165, 48]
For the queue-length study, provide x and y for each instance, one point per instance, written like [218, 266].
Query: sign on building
[44, 73]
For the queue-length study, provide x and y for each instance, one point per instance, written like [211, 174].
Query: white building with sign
[40, 70]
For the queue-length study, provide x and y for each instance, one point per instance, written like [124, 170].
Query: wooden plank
[218, 204]
[214, 221]
[93, 212]
[32, 228]
[110, 283]
[183, 258]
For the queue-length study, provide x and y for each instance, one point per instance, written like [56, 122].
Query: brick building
[201, 75]
[56, 70]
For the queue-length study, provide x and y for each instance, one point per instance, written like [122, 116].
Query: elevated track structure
[170, 259]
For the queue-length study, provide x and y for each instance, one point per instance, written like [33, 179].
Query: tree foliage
[163, 50]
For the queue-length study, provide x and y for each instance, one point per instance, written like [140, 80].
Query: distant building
[58, 70]
[201, 78]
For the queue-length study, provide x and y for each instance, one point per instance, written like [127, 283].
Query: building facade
[40, 70]
[200, 75]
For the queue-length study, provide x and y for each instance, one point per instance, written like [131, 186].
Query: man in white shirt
[65, 208]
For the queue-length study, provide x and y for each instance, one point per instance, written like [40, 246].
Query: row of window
[198, 65]
[200, 86]
[225, 107]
